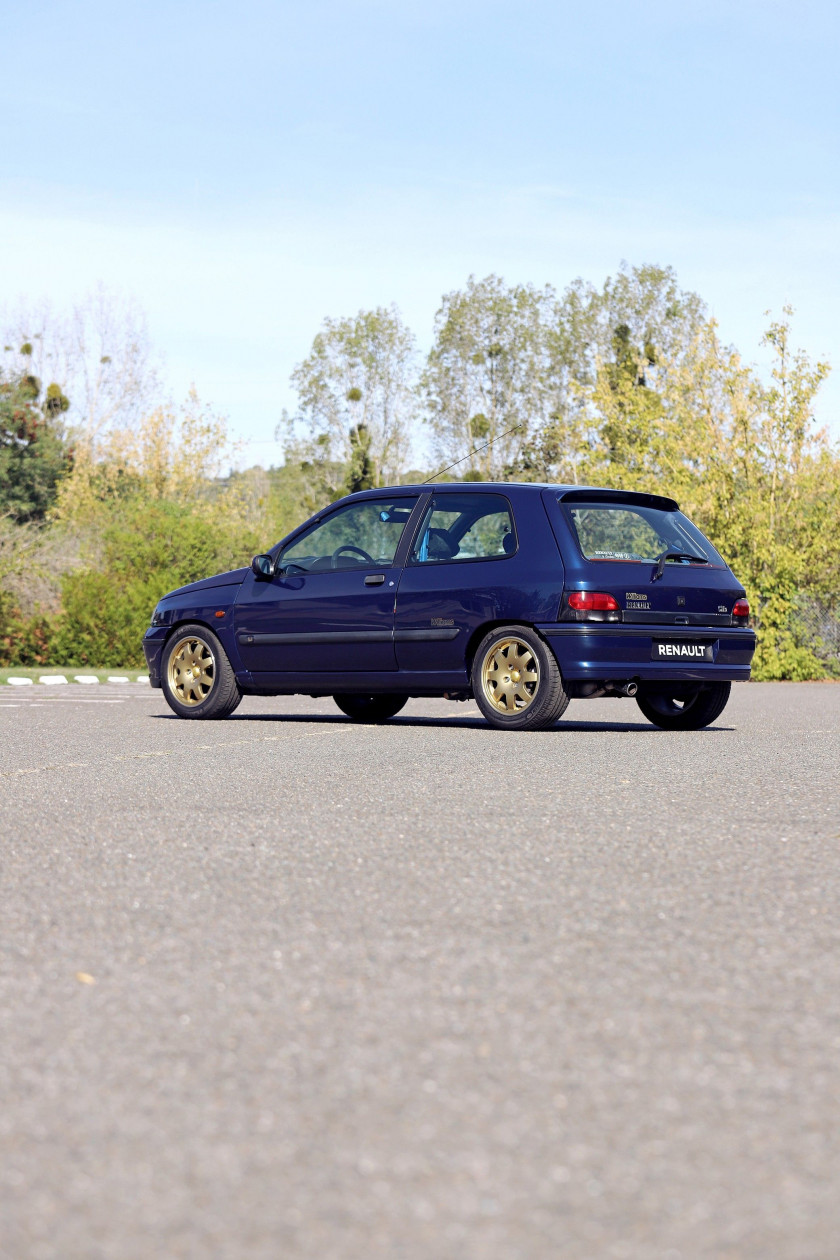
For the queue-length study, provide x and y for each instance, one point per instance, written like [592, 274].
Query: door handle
[374, 579]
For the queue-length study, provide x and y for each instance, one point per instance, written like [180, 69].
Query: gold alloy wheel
[191, 671]
[510, 675]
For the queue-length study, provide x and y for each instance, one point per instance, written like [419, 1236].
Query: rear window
[622, 531]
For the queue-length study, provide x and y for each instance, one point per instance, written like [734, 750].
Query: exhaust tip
[631, 688]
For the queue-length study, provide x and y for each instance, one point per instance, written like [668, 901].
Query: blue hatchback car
[522, 596]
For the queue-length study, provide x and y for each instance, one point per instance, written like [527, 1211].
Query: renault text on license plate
[680, 650]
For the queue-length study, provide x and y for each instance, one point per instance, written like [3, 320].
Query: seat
[437, 545]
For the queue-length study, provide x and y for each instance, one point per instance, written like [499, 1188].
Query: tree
[362, 473]
[787, 492]
[35, 450]
[743, 459]
[605, 356]
[483, 374]
[661, 318]
[99, 353]
[357, 401]
[171, 454]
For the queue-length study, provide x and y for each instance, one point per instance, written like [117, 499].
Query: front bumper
[153, 641]
[600, 650]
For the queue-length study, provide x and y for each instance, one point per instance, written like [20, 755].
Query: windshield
[625, 531]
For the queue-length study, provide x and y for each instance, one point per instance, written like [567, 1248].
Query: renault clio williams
[522, 596]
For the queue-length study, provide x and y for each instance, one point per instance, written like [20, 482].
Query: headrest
[440, 546]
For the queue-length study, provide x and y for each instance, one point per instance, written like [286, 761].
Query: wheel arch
[485, 628]
[224, 633]
[189, 621]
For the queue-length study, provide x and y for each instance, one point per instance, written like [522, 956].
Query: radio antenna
[435, 476]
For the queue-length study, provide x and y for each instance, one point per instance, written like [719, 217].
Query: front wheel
[370, 708]
[683, 708]
[516, 681]
[197, 678]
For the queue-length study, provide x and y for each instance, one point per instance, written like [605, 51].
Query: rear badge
[634, 600]
[681, 651]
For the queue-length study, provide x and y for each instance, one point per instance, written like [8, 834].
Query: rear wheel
[516, 681]
[681, 707]
[197, 678]
[370, 708]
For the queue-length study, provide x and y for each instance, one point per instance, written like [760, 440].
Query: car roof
[456, 487]
[568, 493]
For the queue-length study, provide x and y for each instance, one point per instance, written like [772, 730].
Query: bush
[153, 548]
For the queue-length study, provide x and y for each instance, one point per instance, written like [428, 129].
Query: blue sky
[244, 170]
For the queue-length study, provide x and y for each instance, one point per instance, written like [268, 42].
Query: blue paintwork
[416, 631]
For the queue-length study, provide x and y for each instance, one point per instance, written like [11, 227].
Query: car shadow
[451, 723]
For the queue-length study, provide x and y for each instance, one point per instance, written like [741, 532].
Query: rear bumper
[601, 651]
[153, 641]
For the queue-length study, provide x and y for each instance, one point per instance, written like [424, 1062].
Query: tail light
[592, 601]
[593, 606]
[741, 612]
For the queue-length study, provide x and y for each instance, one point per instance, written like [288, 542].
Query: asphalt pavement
[286, 988]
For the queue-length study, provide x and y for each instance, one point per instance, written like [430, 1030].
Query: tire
[684, 708]
[214, 692]
[370, 709]
[516, 680]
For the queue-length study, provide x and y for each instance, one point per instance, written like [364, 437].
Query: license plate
[680, 650]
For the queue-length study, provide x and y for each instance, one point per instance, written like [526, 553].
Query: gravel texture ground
[286, 987]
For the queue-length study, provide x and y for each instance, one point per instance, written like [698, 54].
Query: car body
[616, 593]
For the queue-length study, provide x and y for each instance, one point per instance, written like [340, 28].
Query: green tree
[362, 471]
[150, 546]
[742, 457]
[605, 358]
[35, 450]
[357, 400]
[782, 535]
[482, 376]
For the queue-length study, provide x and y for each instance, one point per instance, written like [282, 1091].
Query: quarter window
[358, 536]
[468, 526]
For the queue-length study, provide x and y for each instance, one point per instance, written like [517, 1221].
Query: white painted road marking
[32, 704]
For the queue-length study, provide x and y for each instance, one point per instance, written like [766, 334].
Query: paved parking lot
[282, 986]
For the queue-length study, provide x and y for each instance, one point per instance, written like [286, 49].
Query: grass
[68, 671]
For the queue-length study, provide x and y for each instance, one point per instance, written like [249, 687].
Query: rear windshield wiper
[675, 555]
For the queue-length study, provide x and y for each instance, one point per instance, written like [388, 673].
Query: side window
[355, 537]
[468, 526]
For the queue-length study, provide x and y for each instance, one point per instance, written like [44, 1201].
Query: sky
[244, 170]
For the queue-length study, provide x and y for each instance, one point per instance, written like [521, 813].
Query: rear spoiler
[620, 496]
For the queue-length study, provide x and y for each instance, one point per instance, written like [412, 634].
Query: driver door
[331, 609]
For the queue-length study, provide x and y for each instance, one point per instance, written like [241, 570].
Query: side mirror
[262, 566]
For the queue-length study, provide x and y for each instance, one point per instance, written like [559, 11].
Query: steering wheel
[358, 551]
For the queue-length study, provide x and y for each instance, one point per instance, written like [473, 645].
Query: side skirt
[402, 682]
